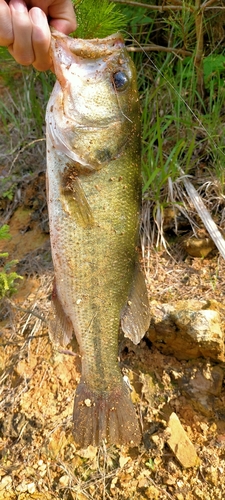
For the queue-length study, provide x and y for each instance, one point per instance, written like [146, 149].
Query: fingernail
[37, 16]
[18, 5]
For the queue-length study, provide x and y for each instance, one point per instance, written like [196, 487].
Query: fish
[94, 198]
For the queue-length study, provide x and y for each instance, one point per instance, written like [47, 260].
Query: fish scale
[94, 192]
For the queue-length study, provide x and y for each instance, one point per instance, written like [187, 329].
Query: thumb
[62, 16]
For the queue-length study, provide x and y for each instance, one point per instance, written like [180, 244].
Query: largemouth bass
[94, 195]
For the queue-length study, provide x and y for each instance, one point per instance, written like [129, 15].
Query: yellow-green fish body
[94, 193]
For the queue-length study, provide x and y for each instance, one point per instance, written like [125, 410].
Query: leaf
[4, 232]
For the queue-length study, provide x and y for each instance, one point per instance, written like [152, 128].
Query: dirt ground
[39, 459]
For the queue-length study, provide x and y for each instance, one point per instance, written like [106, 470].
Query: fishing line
[176, 92]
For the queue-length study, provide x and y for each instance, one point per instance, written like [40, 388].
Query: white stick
[205, 215]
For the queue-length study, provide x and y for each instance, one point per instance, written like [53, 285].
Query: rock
[188, 329]
[198, 247]
[180, 443]
[203, 385]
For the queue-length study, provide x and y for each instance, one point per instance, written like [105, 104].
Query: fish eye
[120, 80]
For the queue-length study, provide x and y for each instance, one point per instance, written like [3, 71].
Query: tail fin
[106, 416]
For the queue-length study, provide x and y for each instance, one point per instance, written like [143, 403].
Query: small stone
[42, 467]
[42, 473]
[170, 481]
[180, 443]
[88, 402]
[89, 453]
[123, 460]
[199, 493]
[64, 480]
[212, 475]
[5, 482]
[29, 471]
[143, 482]
[113, 483]
[31, 488]
[92, 489]
[152, 492]
[22, 487]
[213, 427]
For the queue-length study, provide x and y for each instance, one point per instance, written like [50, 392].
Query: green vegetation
[7, 276]
[97, 18]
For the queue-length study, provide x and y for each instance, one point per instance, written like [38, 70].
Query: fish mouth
[95, 48]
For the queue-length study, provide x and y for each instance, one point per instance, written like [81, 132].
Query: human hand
[24, 28]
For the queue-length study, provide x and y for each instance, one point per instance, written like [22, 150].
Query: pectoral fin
[135, 318]
[74, 200]
[60, 326]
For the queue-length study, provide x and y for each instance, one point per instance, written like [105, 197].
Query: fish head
[94, 108]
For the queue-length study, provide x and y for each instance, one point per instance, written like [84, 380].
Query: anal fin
[135, 317]
[60, 325]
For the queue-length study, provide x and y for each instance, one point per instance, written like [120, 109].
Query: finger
[61, 14]
[63, 25]
[6, 31]
[41, 38]
[21, 48]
